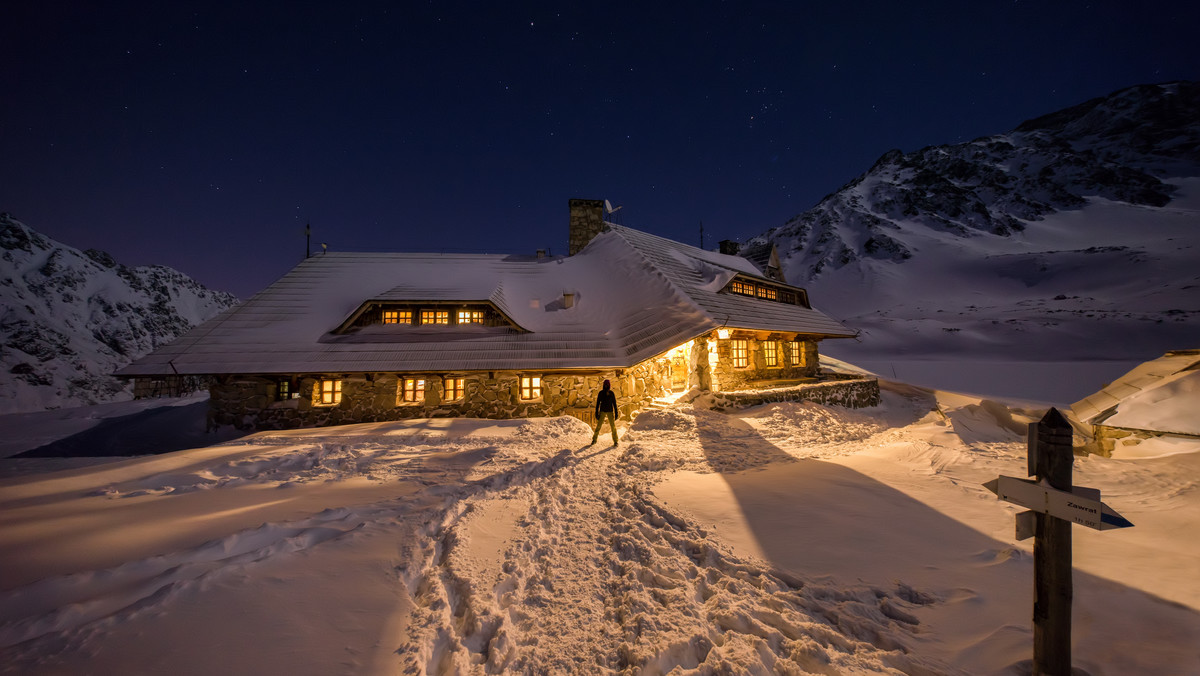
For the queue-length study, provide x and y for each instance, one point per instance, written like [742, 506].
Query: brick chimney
[730, 247]
[587, 221]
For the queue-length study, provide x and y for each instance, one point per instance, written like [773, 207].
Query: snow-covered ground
[789, 538]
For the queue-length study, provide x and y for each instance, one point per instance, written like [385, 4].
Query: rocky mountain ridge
[1074, 236]
[70, 318]
[1120, 147]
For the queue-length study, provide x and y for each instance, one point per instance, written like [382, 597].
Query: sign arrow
[1081, 506]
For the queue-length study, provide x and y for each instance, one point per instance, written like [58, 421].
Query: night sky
[205, 136]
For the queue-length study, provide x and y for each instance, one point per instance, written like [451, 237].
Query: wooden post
[1052, 583]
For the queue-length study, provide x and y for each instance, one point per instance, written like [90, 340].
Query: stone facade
[726, 376]
[250, 402]
[704, 364]
[850, 392]
[1105, 439]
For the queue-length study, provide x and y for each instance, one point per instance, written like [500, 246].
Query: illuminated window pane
[412, 390]
[771, 353]
[470, 317]
[531, 387]
[453, 388]
[435, 316]
[329, 392]
[767, 293]
[797, 357]
[742, 288]
[397, 316]
[739, 352]
[283, 390]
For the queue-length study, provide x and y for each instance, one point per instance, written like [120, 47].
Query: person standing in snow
[606, 409]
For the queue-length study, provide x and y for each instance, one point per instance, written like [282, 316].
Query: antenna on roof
[307, 240]
[702, 234]
[609, 209]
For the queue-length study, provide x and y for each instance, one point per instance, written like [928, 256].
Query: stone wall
[1105, 439]
[726, 378]
[248, 402]
[848, 392]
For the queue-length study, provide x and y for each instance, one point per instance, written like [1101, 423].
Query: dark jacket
[606, 401]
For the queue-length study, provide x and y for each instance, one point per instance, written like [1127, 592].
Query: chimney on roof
[568, 299]
[587, 221]
[730, 247]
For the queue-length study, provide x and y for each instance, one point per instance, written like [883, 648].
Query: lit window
[470, 317]
[771, 353]
[453, 389]
[531, 387]
[742, 288]
[767, 293]
[283, 390]
[797, 357]
[412, 390]
[435, 316]
[329, 392]
[397, 316]
[739, 352]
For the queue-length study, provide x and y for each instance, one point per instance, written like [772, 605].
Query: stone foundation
[849, 393]
[1105, 439]
[249, 402]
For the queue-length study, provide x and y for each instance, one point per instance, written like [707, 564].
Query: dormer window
[397, 316]
[768, 291]
[435, 316]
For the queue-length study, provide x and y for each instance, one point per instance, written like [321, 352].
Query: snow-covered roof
[636, 296]
[1162, 395]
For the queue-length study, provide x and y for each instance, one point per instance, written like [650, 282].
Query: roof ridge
[685, 296]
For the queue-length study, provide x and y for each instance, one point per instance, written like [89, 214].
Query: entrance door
[679, 370]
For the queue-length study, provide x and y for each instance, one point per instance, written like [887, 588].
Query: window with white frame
[470, 316]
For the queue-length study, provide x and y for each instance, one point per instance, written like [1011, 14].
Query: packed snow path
[792, 538]
[598, 576]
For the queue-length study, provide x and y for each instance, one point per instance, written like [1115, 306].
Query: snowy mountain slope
[1074, 235]
[70, 318]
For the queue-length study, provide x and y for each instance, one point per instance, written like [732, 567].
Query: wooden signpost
[1054, 505]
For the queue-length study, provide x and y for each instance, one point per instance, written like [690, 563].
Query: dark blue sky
[204, 136]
